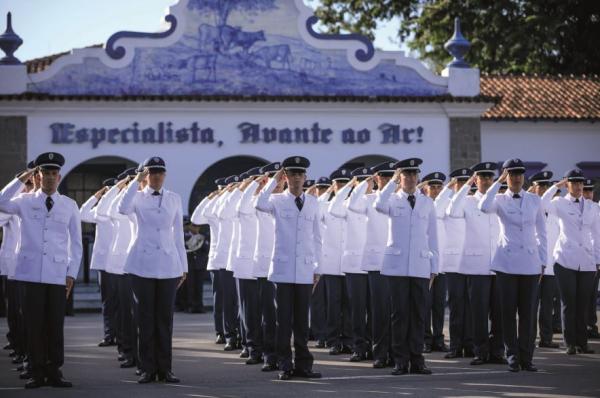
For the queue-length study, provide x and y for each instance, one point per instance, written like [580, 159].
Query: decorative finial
[457, 46]
[9, 43]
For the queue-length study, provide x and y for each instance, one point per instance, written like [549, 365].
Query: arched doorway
[205, 184]
[81, 183]
[366, 161]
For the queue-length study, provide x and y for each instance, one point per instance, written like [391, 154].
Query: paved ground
[207, 371]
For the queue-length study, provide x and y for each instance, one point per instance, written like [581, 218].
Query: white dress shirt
[50, 245]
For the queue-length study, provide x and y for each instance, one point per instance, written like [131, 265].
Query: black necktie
[49, 203]
[577, 200]
[412, 200]
[299, 203]
[155, 193]
[516, 196]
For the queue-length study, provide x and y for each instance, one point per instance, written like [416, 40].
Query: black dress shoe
[269, 367]
[122, 357]
[106, 343]
[168, 377]
[17, 359]
[498, 360]
[379, 364]
[357, 357]
[529, 367]
[59, 382]
[35, 383]
[26, 375]
[320, 344]
[146, 378]
[571, 350]
[440, 347]
[8, 347]
[306, 373]
[285, 375]
[138, 372]
[513, 367]
[12, 354]
[220, 339]
[400, 370]
[584, 350]
[548, 344]
[478, 361]
[427, 348]
[130, 363]
[468, 353]
[229, 347]
[420, 370]
[453, 354]
[245, 353]
[335, 350]
[253, 360]
[20, 368]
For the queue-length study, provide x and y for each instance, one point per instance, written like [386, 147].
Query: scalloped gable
[238, 47]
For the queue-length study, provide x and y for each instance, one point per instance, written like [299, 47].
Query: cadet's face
[460, 183]
[575, 188]
[49, 180]
[382, 181]
[295, 179]
[433, 190]
[540, 189]
[37, 181]
[339, 184]
[156, 180]
[484, 182]
[321, 190]
[588, 194]
[515, 181]
[408, 180]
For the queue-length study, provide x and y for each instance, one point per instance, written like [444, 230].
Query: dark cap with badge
[323, 182]
[109, 182]
[220, 181]
[514, 166]
[255, 171]
[155, 165]
[464, 173]
[575, 175]
[308, 184]
[384, 169]
[361, 172]
[271, 168]
[541, 178]
[588, 184]
[232, 179]
[296, 163]
[340, 175]
[485, 168]
[410, 164]
[130, 172]
[50, 161]
[31, 165]
[435, 178]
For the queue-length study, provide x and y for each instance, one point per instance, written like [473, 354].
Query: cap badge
[50, 156]
[155, 160]
[276, 167]
[464, 172]
[391, 164]
[297, 160]
[412, 162]
[343, 172]
[364, 171]
[437, 175]
[487, 165]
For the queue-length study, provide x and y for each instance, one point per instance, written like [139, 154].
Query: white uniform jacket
[104, 232]
[333, 239]
[244, 259]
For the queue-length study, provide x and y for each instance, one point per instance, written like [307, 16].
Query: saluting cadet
[157, 264]
[204, 214]
[47, 263]
[357, 282]
[125, 227]
[410, 263]
[243, 261]
[330, 268]
[362, 201]
[480, 244]
[519, 260]
[461, 324]
[318, 308]
[576, 256]
[100, 254]
[434, 340]
[262, 258]
[592, 319]
[548, 291]
[297, 248]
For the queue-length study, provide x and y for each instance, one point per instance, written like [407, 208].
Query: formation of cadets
[362, 262]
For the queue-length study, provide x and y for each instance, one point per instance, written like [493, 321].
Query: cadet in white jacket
[576, 256]
[362, 201]
[480, 244]
[410, 263]
[48, 262]
[338, 326]
[548, 291]
[297, 248]
[519, 260]
[357, 282]
[592, 319]
[433, 187]
[157, 263]
[100, 254]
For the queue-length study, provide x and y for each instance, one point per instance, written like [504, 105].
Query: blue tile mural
[237, 47]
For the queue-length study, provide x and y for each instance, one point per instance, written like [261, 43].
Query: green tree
[507, 36]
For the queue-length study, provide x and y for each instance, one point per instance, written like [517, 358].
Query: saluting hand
[26, 175]
[141, 175]
[562, 183]
[279, 175]
[370, 184]
[396, 177]
[100, 192]
[503, 176]
[471, 179]
[312, 191]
